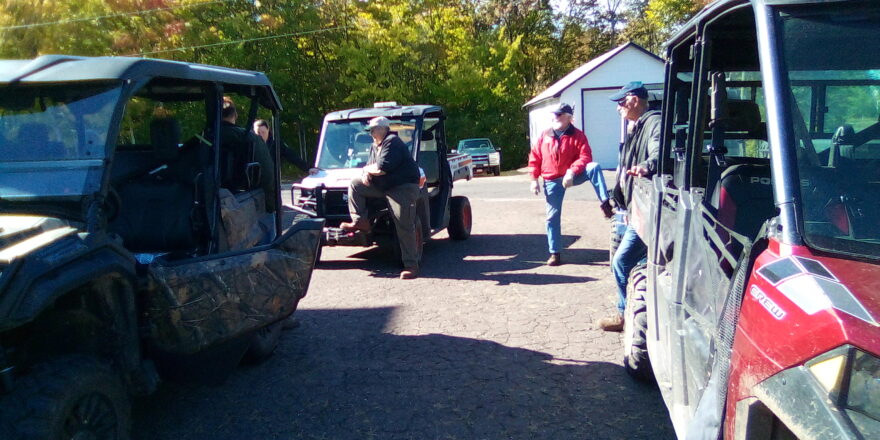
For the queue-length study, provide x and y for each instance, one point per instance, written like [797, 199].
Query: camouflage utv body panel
[241, 224]
[197, 304]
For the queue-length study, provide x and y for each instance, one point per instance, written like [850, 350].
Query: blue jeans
[629, 253]
[554, 193]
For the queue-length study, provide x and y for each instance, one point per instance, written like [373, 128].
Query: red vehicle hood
[818, 301]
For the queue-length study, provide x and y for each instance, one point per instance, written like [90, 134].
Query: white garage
[587, 90]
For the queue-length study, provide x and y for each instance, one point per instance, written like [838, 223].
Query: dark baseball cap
[563, 108]
[635, 88]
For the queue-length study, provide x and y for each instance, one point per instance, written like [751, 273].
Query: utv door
[432, 159]
[659, 216]
[725, 198]
[201, 302]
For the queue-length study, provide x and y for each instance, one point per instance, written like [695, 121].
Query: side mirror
[427, 136]
[253, 173]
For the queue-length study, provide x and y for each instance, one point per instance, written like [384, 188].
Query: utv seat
[244, 220]
[743, 194]
[429, 162]
[743, 198]
[744, 120]
[159, 208]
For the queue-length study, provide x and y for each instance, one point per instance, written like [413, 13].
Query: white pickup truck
[344, 149]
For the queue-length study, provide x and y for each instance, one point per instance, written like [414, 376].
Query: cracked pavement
[489, 343]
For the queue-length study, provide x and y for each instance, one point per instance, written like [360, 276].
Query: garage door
[601, 124]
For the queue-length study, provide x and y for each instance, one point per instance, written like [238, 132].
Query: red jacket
[551, 157]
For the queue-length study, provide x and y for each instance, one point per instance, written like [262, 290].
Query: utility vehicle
[344, 150]
[135, 244]
[757, 311]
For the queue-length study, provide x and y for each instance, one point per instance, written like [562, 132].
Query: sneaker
[612, 323]
[554, 260]
[606, 208]
[409, 273]
[360, 224]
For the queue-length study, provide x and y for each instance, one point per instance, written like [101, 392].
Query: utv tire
[460, 218]
[635, 327]
[263, 343]
[70, 397]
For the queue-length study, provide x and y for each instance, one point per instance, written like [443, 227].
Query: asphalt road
[488, 343]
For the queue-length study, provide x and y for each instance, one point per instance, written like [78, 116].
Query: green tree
[480, 59]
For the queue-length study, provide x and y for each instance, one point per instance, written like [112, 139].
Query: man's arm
[585, 154]
[535, 159]
[648, 167]
[290, 156]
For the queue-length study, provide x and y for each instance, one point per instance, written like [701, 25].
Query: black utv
[138, 237]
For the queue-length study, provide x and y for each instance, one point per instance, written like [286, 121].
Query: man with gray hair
[390, 173]
[638, 159]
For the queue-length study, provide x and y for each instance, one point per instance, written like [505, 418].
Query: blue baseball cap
[563, 108]
[635, 88]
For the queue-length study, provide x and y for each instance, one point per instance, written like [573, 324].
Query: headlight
[852, 379]
[494, 158]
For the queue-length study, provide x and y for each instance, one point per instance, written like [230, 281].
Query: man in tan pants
[391, 173]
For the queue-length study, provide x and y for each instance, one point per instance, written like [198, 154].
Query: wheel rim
[466, 218]
[92, 418]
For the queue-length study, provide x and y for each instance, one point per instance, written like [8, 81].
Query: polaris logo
[767, 303]
[761, 180]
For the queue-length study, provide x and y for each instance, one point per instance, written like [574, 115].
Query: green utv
[136, 242]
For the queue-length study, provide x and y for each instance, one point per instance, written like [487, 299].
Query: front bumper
[330, 204]
[482, 161]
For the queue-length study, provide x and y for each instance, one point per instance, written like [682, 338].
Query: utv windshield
[346, 144]
[832, 57]
[53, 139]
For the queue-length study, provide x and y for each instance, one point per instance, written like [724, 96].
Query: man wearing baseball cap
[638, 159]
[390, 173]
[562, 157]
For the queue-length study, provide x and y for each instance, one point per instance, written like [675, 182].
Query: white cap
[378, 121]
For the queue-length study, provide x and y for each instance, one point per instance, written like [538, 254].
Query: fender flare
[45, 289]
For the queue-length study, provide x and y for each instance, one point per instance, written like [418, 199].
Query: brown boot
[409, 273]
[606, 208]
[612, 323]
[554, 260]
[360, 224]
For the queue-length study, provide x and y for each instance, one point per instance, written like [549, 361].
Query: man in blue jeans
[638, 159]
[562, 158]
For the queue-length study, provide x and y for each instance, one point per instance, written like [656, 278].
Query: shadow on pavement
[339, 376]
[481, 257]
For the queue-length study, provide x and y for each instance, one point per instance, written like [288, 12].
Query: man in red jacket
[562, 158]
